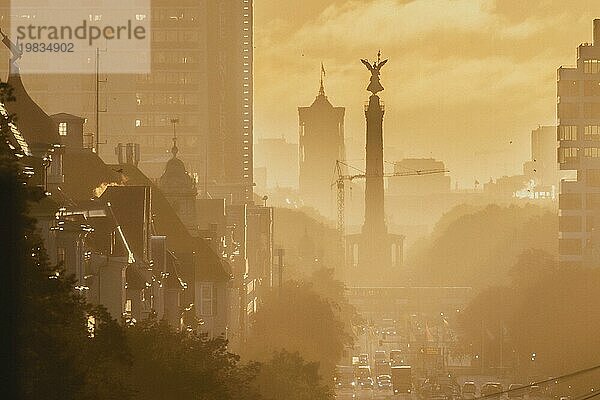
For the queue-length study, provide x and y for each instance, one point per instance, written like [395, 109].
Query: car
[384, 382]
[390, 330]
[366, 383]
[516, 391]
[535, 392]
[345, 394]
[380, 357]
[492, 390]
[365, 388]
[345, 389]
[363, 359]
[469, 390]
[362, 372]
[396, 357]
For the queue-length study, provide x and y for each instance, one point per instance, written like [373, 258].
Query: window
[591, 152]
[569, 246]
[591, 88]
[206, 299]
[591, 66]
[589, 223]
[569, 223]
[567, 132]
[62, 129]
[591, 110]
[138, 123]
[128, 306]
[569, 201]
[568, 110]
[593, 177]
[568, 88]
[61, 255]
[56, 165]
[593, 201]
[591, 132]
[566, 154]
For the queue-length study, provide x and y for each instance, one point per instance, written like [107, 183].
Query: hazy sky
[465, 78]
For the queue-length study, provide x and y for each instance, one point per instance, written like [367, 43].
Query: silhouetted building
[543, 166]
[201, 75]
[180, 190]
[579, 149]
[230, 102]
[280, 159]
[40, 134]
[321, 143]
[506, 187]
[419, 185]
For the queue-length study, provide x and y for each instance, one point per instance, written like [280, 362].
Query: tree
[52, 354]
[546, 318]
[182, 365]
[324, 283]
[298, 319]
[478, 247]
[287, 376]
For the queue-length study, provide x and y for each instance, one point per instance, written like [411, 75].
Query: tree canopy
[300, 319]
[478, 246]
[548, 311]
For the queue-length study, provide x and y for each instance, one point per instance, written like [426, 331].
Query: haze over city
[300, 200]
[465, 77]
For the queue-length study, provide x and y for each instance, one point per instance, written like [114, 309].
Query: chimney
[132, 153]
[120, 152]
[597, 32]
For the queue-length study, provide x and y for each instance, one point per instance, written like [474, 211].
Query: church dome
[175, 178]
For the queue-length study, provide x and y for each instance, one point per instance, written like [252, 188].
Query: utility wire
[589, 396]
[549, 380]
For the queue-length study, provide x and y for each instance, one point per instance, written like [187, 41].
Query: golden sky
[466, 81]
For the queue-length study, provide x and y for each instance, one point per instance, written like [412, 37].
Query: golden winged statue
[374, 86]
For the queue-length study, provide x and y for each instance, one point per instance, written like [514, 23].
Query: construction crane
[340, 186]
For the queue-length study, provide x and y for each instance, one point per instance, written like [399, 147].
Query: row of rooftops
[127, 199]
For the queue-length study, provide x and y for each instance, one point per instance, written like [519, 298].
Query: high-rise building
[200, 81]
[321, 143]
[543, 167]
[579, 149]
[280, 159]
[230, 103]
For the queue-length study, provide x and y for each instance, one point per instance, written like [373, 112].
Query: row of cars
[495, 390]
[358, 381]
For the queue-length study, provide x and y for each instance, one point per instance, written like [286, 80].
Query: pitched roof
[36, 126]
[85, 171]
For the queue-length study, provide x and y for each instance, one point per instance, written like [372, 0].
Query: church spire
[321, 88]
[174, 149]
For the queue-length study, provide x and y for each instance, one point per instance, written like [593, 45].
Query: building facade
[578, 134]
[543, 166]
[321, 143]
[278, 160]
[200, 81]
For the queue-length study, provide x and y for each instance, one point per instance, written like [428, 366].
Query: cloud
[464, 76]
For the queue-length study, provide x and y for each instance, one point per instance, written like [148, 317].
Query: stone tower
[321, 143]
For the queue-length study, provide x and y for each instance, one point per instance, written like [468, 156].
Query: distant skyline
[467, 80]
